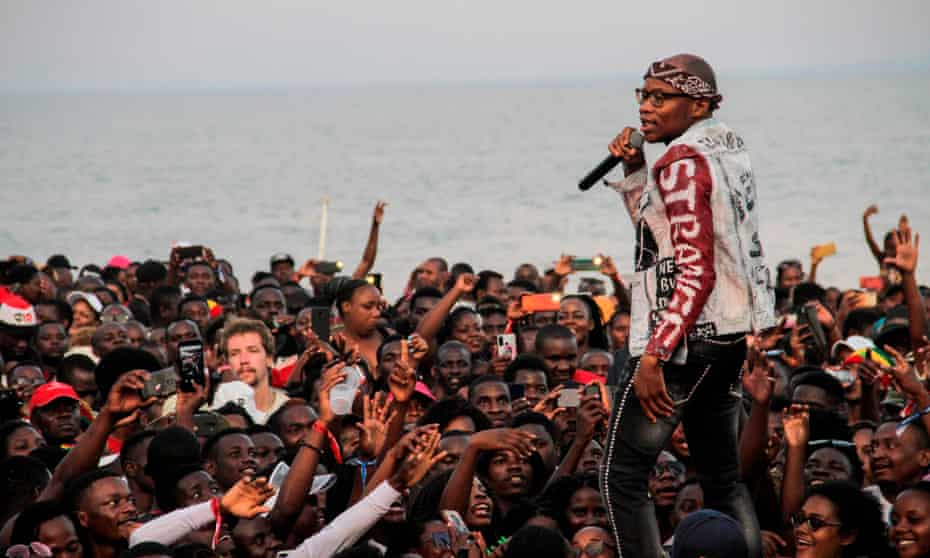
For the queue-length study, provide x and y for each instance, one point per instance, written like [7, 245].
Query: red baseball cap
[48, 392]
[119, 262]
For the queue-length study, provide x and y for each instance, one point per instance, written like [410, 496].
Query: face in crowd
[493, 398]
[248, 358]
[453, 366]
[898, 460]
[361, 312]
[231, 458]
[107, 509]
[561, 356]
[910, 524]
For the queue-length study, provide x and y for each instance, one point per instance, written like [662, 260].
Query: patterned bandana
[689, 74]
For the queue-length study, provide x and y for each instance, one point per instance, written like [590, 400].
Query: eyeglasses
[658, 97]
[814, 523]
[592, 549]
[674, 467]
[23, 551]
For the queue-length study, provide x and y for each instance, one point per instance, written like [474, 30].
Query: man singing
[700, 287]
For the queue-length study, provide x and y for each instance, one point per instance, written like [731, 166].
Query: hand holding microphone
[626, 147]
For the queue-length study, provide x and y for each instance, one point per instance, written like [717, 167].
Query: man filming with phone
[701, 285]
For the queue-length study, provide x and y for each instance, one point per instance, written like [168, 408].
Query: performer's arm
[685, 186]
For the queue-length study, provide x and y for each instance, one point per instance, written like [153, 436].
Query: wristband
[319, 427]
[218, 519]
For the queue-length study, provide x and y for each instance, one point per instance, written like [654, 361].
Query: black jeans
[707, 393]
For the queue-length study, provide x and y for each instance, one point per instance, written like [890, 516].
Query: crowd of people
[478, 393]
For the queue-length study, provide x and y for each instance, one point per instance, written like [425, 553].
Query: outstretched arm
[877, 252]
[121, 406]
[432, 322]
[907, 250]
[371, 249]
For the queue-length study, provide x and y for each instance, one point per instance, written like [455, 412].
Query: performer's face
[674, 115]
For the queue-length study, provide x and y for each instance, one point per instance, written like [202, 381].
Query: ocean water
[480, 173]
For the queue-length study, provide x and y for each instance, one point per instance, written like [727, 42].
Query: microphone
[636, 142]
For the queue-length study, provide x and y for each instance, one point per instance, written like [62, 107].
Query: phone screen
[319, 322]
[190, 365]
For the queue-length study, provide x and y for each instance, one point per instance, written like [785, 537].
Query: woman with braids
[581, 314]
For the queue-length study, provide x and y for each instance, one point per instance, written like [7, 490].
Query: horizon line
[181, 87]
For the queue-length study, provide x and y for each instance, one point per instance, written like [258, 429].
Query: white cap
[236, 392]
[854, 343]
[90, 299]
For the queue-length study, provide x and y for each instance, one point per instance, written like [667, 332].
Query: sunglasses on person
[657, 97]
[813, 522]
[592, 549]
[27, 551]
[674, 467]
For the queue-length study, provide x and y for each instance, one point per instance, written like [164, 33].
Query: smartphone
[319, 322]
[869, 299]
[374, 279]
[190, 365]
[162, 383]
[329, 268]
[569, 396]
[823, 250]
[454, 518]
[593, 389]
[809, 316]
[517, 391]
[774, 353]
[845, 377]
[587, 264]
[875, 283]
[507, 345]
[546, 302]
[208, 424]
[190, 253]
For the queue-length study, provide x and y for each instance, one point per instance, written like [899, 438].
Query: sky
[222, 44]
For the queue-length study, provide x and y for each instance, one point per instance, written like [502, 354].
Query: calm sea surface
[481, 173]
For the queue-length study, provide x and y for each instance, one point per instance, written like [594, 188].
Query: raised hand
[591, 414]
[797, 426]
[869, 211]
[417, 347]
[759, 377]
[124, 398]
[376, 417]
[607, 266]
[465, 283]
[308, 269]
[331, 377]
[549, 404]
[413, 441]
[378, 216]
[402, 383]
[907, 246]
[563, 267]
[246, 497]
[417, 464]
[905, 376]
[504, 439]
